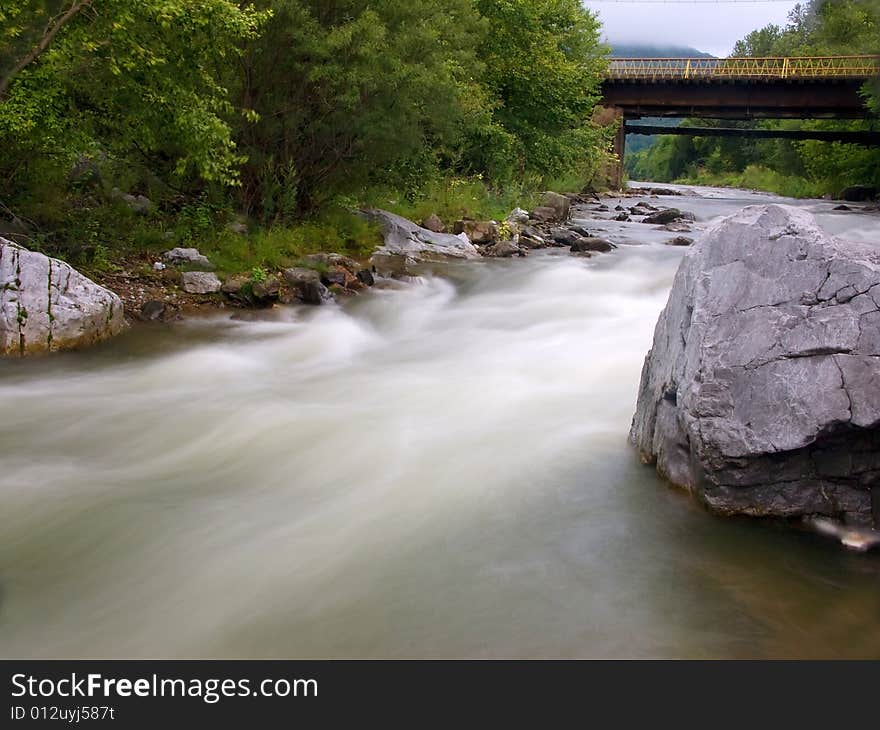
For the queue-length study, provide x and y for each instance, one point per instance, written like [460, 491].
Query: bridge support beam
[606, 116]
[619, 153]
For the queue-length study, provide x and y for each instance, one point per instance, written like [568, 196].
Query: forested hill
[639, 50]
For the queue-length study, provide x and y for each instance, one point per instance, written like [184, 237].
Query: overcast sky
[705, 25]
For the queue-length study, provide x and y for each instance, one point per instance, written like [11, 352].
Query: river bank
[152, 288]
[438, 468]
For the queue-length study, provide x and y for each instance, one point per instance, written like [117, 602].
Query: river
[437, 469]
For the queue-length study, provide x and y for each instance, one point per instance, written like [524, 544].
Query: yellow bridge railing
[804, 67]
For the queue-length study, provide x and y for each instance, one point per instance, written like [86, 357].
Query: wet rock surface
[306, 286]
[761, 394]
[406, 245]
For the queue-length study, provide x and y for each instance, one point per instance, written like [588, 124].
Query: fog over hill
[641, 50]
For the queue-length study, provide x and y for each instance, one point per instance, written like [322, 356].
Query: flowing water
[437, 469]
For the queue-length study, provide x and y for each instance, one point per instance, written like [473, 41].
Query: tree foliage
[282, 106]
[544, 65]
[123, 78]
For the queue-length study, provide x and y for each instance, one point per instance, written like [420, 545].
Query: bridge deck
[755, 70]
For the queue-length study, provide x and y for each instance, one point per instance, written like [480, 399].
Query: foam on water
[437, 469]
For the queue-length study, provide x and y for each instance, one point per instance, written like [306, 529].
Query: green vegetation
[130, 127]
[793, 168]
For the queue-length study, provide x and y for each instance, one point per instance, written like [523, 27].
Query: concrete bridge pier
[606, 116]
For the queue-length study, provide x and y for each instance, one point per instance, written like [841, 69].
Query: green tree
[132, 78]
[344, 91]
[544, 63]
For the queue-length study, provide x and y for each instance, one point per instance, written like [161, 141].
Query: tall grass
[756, 177]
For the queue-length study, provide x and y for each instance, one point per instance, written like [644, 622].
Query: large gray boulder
[761, 394]
[46, 305]
[408, 245]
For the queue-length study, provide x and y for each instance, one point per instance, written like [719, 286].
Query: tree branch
[48, 36]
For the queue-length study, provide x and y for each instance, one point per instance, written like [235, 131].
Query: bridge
[735, 88]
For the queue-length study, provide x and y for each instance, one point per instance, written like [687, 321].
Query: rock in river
[503, 250]
[761, 395]
[47, 305]
[592, 245]
[407, 245]
[306, 286]
[668, 216]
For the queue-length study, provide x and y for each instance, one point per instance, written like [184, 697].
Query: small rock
[532, 242]
[433, 223]
[662, 217]
[543, 214]
[266, 290]
[306, 285]
[152, 310]
[680, 241]
[592, 245]
[331, 278]
[842, 207]
[365, 276]
[676, 227]
[187, 257]
[333, 259]
[159, 266]
[640, 208]
[200, 282]
[503, 249]
[478, 232]
[518, 216]
[236, 287]
[622, 217]
[237, 227]
[565, 237]
[559, 204]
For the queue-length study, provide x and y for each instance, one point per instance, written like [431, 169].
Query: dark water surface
[436, 470]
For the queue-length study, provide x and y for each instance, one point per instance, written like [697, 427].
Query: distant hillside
[639, 50]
